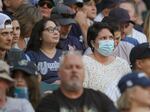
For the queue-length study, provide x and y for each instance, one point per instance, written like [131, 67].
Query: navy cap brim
[66, 21]
[24, 69]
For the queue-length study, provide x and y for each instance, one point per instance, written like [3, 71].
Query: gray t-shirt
[17, 105]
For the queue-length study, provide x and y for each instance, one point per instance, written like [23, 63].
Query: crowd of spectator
[74, 56]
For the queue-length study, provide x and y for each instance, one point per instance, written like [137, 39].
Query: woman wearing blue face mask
[103, 70]
[26, 81]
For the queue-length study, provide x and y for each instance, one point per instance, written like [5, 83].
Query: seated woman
[41, 49]
[27, 81]
[103, 70]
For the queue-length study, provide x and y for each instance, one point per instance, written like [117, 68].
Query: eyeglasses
[52, 29]
[48, 4]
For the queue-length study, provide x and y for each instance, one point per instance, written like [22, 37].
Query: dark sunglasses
[49, 4]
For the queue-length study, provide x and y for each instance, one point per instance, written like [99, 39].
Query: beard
[73, 85]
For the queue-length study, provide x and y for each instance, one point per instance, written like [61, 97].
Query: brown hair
[147, 26]
[27, 15]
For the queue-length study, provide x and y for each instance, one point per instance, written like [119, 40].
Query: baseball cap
[4, 71]
[5, 21]
[62, 15]
[139, 52]
[121, 15]
[106, 4]
[26, 66]
[133, 79]
[71, 2]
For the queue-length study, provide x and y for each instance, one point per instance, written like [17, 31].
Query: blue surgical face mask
[21, 92]
[106, 47]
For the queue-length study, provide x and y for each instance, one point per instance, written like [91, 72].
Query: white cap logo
[129, 83]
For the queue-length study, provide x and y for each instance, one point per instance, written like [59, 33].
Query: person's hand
[81, 17]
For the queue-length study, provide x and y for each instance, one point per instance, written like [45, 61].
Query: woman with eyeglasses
[45, 7]
[42, 50]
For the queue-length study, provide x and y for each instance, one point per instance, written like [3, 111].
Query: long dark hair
[33, 86]
[35, 42]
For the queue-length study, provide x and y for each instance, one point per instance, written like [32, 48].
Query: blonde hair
[124, 103]
[147, 26]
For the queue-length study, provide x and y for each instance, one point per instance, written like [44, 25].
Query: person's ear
[139, 64]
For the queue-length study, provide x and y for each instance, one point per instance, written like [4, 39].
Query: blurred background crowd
[113, 37]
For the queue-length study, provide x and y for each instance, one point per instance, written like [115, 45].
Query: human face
[71, 73]
[51, 34]
[126, 29]
[144, 65]
[19, 77]
[64, 31]
[144, 100]
[129, 7]
[6, 36]
[117, 37]
[16, 31]
[104, 34]
[90, 9]
[45, 8]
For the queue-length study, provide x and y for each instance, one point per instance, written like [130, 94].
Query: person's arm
[107, 104]
[82, 20]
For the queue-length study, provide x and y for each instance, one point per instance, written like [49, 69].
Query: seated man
[64, 17]
[72, 97]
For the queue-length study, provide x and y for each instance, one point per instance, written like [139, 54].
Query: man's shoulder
[52, 96]
[95, 93]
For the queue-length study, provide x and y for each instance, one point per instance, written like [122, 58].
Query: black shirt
[89, 101]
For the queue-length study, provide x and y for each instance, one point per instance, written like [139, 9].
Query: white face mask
[106, 47]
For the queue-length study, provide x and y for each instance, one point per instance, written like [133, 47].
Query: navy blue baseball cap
[72, 2]
[63, 15]
[26, 66]
[133, 79]
[140, 51]
[121, 15]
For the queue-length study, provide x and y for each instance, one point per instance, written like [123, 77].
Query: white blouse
[105, 77]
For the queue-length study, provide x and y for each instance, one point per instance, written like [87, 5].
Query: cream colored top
[105, 77]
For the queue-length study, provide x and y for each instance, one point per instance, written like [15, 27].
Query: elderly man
[8, 104]
[6, 34]
[72, 97]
